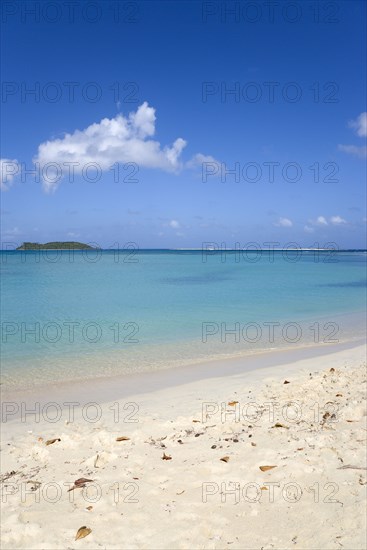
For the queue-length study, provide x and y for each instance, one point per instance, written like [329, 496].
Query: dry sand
[166, 486]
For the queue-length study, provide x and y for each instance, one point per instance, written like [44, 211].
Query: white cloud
[360, 152]
[283, 222]
[308, 229]
[120, 139]
[198, 159]
[321, 221]
[8, 170]
[174, 224]
[208, 165]
[360, 125]
[337, 220]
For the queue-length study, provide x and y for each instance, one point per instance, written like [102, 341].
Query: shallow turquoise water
[72, 314]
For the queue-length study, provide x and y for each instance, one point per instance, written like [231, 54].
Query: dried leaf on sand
[80, 483]
[82, 532]
[82, 480]
[52, 441]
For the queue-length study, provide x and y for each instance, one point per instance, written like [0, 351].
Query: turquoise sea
[75, 314]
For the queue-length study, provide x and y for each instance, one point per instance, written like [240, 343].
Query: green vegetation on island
[56, 245]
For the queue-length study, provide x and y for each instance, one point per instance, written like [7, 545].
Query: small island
[56, 245]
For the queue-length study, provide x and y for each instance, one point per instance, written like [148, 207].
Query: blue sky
[161, 71]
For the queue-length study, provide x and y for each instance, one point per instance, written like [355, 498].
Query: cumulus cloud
[9, 168]
[199, 158]
[120, 139]
[359, 125]
[208, 165]
[283, 222]
[321, 221]
[174, 224]
[357, 151]
[337, 220]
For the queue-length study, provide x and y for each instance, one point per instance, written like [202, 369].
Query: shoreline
[176, 355]
[108, 388]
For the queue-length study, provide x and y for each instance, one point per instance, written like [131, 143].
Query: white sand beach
[269, 458]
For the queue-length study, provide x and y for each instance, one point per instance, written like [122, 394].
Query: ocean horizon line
[192, 249]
